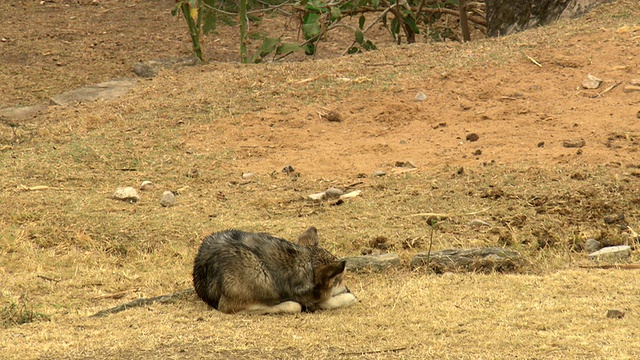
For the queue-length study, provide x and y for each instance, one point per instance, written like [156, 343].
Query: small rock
[615, 314]
[334, 193]
[378, 173]
[128, 193]
[476, 223]
[592, 245]
[380, 243]
[612, 253]
[146, 185]
[377, 262]
[318, 196]
[638, 115]
[247, 175]
[591, 82]
[614, 219]
[333, 116]
[405, 164]
[106, 91]
[167, 199]
[541, 144]
[288, 170]
[574, 144]
[350, 194]
[477, 152]
[473, 137]
[420, 97]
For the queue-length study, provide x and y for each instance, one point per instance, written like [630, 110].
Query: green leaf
[412, 24]
[395, 26]
[311, 25]
[375, 3]
[336, 14]
[353, 50]
[286, 48]
[267, 47]
[368, 45]
[359, 37]
[361, 22]
[208, 20]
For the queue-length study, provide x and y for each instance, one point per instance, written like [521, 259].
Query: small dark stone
[615, 314]
[614, 219]
[541, 144]
[333, 116]
[473, 137]
[477, 152]
[574, 144]
[288, 169]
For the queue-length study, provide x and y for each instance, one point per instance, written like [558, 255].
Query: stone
[167, 199]
[574, 143]
[128, 193]
[379, 173]
[615, 314]
[318, 196]
[351, 194]
[332, 116]
[376, 262]
[106, 91]
[420, 97]
[592, 245]
[247, 175]
[591, 82]
[146, 185]
[333, 193]
[611, 253]
[469, 260]
[473, 137]
[22, 112]
[288, 170]
[476, 223]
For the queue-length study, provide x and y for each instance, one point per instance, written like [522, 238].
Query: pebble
[378, 173]
[420, 97]
[373, 262]
[318, 196]
[473, 137]
[592, 245]
[146, 185]
[574, 144]
[288, 169]
[612, 253]
[333, 193]
[476, 223]
[591, 82]
[615, 314]
[128, 193]
[247, 175]
[167, 199]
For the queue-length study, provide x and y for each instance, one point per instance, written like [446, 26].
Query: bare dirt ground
[67, 250]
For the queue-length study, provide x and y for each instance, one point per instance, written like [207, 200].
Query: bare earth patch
[550, 160]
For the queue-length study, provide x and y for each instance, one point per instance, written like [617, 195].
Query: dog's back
[239, 271]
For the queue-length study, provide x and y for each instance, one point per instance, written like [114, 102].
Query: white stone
[612, 253]
[126, 194]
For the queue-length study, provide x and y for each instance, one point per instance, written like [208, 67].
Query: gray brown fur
[237, 271]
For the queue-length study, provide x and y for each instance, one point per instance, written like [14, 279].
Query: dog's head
[328, 270]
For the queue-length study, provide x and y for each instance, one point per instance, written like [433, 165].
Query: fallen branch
[614, 266]
[144, 302]
[373, 351]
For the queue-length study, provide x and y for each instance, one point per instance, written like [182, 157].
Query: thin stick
[373, 351]
[619, 266]
[532, 59]
[609, 88]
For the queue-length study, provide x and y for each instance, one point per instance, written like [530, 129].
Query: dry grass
[68, 250]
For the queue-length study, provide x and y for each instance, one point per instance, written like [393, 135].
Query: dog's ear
[329, 271]
[309, 237]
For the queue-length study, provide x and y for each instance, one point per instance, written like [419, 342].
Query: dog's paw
[338, 301]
